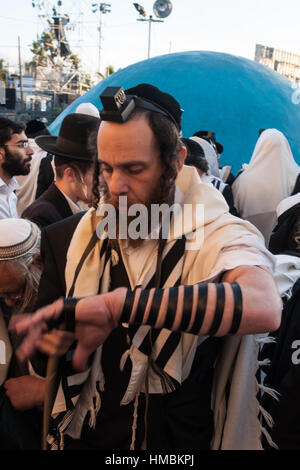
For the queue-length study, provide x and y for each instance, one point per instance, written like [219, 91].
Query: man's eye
[107, 170]
[135, 170]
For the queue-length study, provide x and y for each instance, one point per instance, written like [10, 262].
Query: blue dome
[232, 96]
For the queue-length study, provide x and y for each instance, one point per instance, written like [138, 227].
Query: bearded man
[15, 158]
[147, 357]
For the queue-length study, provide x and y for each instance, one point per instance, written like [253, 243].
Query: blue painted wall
[230, 95]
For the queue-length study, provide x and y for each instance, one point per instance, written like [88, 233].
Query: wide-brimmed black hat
[73, 139]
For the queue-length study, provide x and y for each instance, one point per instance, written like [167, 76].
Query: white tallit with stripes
[228, 243]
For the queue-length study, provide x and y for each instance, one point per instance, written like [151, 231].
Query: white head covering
[210, 156]
[88, 108]
[287, 203]
[269, 178]
[18, 237]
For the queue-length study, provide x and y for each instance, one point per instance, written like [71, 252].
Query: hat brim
[49, 144]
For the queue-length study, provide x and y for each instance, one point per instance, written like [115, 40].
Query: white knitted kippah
[17, 237]
[88, 108]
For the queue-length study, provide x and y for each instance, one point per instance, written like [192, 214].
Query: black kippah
[160, 98]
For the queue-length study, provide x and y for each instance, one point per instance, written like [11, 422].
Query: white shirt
[8, 199]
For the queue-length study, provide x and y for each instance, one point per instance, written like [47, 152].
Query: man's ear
[38, 262]
[181, 158]
[69, 173]
[2, 154]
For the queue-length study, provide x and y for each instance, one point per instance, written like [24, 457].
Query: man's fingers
[28, 346]
[22, 325]
[56, 342]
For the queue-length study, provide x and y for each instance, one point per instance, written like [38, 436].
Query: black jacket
[50, 207]
[55, 241]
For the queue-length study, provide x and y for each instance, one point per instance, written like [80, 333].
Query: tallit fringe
[269, 391]
[269, 439]
[265, 340]
[95, 407]
[268, 418]
[134, 423]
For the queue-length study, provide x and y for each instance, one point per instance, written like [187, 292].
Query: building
[285, 63]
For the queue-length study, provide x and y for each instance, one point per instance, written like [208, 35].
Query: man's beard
[14, 165]
[163, 193]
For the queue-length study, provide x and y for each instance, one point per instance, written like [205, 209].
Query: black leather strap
[201, 309]
[219, 310]
[67, 316]
[238, 308]
[127, 308]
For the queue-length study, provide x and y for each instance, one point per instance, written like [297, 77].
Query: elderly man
[15, 158]
[20, 271]
[148, 383]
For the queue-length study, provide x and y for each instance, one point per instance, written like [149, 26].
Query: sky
[231, 26]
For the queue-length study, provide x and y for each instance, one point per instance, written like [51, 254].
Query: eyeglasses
[14, 296]
[20, 145]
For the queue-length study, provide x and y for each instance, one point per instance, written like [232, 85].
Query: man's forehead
[16, 137]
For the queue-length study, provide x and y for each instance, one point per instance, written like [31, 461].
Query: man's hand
[96, 317]
[25, 392]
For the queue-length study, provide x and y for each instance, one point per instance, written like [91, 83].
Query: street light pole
[150, 20]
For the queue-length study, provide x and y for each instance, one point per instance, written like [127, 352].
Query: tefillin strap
[189, 318]
[67, 316]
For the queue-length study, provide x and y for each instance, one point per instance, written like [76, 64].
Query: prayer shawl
[210, 156]
[269, 178]
[88, 261]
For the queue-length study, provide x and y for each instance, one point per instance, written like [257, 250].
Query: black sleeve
[50, 289]
[51, 286]
[45, 175]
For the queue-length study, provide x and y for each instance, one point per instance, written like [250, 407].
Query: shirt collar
[12, 185]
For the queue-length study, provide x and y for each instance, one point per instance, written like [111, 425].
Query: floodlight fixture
[140, 9]
[162, 8]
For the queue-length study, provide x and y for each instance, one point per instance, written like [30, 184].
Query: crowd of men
[158, 280]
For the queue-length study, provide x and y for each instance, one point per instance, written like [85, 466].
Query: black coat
[45, 175]
[55, 241]
[50, 207]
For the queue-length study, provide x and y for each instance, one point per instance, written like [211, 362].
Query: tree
[47, 49]
[109, 70]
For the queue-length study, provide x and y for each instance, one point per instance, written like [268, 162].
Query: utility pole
[103, 8]
[20, 73]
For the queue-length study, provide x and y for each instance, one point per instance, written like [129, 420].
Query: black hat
[33, 127]
[210, 136]
[161, 99]
[73, 139]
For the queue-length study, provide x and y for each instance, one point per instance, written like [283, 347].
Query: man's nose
[118, 183]
[10, 302]
[29, 150]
